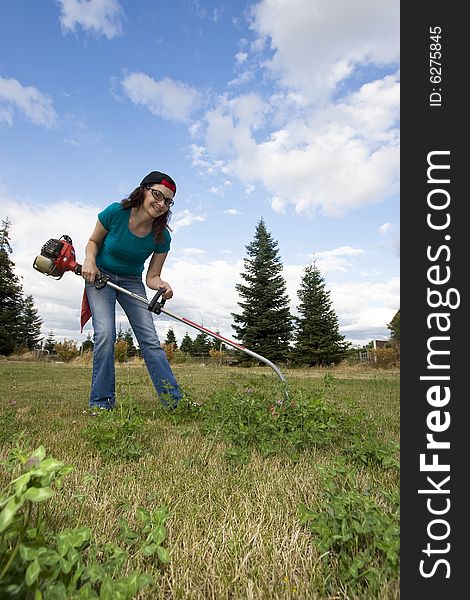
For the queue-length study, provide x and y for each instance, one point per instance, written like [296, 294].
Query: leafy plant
[117, 433]
[357, 535]
[37, 563]
[263, 419]
[149, 535]
[367, 450]
[67, 350]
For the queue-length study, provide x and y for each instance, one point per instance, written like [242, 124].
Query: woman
[125, 235]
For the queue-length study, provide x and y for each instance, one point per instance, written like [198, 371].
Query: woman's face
[158, 200]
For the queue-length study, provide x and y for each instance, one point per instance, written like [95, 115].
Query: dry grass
[233, 531]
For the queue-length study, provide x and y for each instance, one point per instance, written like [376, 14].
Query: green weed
[258, 418]
[37, 563]
[367, 450]
[117, 433]
[356, 533]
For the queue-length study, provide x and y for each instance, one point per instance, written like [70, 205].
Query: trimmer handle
[100, 281]
[154, 305]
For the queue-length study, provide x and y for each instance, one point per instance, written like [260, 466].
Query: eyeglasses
[159, 197]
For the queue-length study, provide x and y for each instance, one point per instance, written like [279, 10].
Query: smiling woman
[125, 235]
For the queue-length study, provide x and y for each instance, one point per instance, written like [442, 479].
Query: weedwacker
[58, 256]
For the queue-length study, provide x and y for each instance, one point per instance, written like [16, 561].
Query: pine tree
[30, 333]
[186, 344]
[129, 339]
[88, 344]
[394, 327]
[265, 325]
[50, 342]
[216, 344]
[201, 345]
[11, 300]
[317, 337]
[171, 339]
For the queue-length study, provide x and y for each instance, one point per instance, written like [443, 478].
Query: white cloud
[190, 251]
[166, 98]
[35, 106]
[98, 16]
[366, 307]
[244, 77]
[336, 159]
[241, 57]
[202, 160]
[314, 154]
[184, 218]
[337, 259]
[385, 228]
[315, 44]
[232, 212]
[215, 190]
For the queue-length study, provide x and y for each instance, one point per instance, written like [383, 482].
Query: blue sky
[286, 110]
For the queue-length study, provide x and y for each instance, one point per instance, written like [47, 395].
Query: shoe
[95, 411]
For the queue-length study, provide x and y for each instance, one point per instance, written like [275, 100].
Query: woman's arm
[89, 268]
[153, 279]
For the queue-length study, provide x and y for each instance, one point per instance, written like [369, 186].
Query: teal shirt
[122, 251]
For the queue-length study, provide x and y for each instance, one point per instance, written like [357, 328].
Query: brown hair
[135, 199]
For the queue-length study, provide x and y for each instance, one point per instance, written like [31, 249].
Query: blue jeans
[103, 306]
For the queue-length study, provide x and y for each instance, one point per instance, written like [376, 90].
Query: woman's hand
[155, 283]
[153, 279]
[89, 270]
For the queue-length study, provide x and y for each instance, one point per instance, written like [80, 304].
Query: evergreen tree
[30, 334]
[49, 344]
[171, 339]
[394, 327]
[10, 296]
[129, 339]
[216, 344]
[317, 337]
[186, 344]
[88, 344]
[265, 325]
[201, 345]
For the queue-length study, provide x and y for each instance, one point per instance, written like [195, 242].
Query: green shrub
[117, 433]
[386, 358]
[261, 418]
[357, 533]
[37, 563]
[66, 350]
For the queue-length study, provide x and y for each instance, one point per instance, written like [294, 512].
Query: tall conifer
[317, 337]
[30, 331]
[265, 324]
[171, 338]
[10, 296]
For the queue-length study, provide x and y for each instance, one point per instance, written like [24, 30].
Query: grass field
[267, 498]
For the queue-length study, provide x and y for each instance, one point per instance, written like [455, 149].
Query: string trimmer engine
[57, 257]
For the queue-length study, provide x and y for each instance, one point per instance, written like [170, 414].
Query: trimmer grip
[154, 305]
